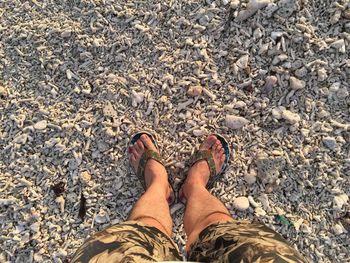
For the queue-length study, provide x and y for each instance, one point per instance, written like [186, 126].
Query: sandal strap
[208, 157]
[147, 155]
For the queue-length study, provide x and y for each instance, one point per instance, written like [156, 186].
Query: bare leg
[152, 208]
[202, 208]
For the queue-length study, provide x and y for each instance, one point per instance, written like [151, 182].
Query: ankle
[191, 186]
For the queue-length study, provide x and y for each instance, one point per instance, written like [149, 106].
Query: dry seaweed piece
[58, 188]
[82, 208]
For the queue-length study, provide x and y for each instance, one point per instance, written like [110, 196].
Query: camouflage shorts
[234, 241]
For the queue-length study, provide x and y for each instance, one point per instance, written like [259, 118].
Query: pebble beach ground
[78, 78]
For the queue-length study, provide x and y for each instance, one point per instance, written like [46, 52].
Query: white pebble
[40, 125]
[338, 229]
[241, 203]
[259, 211]
[35, 227]
[296, 84]
[339, 201]
[235, 122]
[340, 45]
[252, 202]
[290, 117]
[242, 62]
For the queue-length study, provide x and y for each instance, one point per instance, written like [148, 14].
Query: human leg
[213, 236]
[202, 208]
[145, 237]
[152, 208]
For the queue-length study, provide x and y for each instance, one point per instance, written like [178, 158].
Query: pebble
[259, 211]
[298, 223]
[61, 202]
[252, 201]
[338, 229]
[296, 84]
[85, 177]
[339, 45]
[264, 199]
[101, 217]
[195, 91]
[252, 7]
[321, 74]
[270, 82]
[40, 125]
[330, 143]
[290, 117]
[242, 62]
[235, 122]
[339, 201]
[35, 227]
[249, 178]
[241, 203]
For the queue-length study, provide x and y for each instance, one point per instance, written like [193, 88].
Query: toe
[140, 146]
[209, 142]
[216, 146]
[136, 148]
[222, 158]
[148, 142]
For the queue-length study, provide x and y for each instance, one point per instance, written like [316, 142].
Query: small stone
[35, 227]
[329, 142]
[225, 2]
[62, 253]
[235, 122]
[3, 92]
[340, 45]
[305, 228]
[302, 72]
[240, 104]
[259, 211]
[85, 177]
[250, 178]
[342, 93]
[60, 200]
[298, 223]
[242, 62]
[339, 201]
[290, 117]
[270, 82]
[66, 33]
[296, 84]
[321, 74]
[21, 139]
[264, 199]
[194, 91]
[338, 229]
[257, 33]
[101, 217]
[277, 112]
[276, 34]
[41, 125]
[241, 203]
[252, 202]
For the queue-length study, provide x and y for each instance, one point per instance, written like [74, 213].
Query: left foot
[154, 171]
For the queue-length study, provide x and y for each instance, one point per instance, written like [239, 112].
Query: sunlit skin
[202, 208]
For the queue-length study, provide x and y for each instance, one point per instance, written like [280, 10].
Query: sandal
[208, 157]
[145, 157]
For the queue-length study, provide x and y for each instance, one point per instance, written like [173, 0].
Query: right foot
[199, 172]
